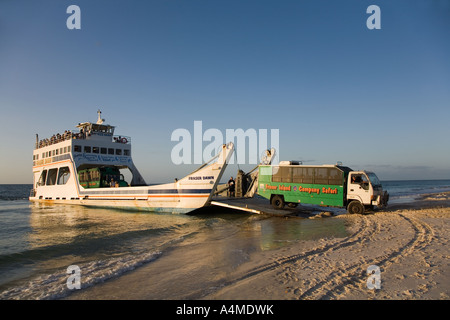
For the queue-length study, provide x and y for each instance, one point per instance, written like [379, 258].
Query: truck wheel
[355, 207]
[277, 202]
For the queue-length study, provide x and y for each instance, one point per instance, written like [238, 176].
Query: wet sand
[408, 242]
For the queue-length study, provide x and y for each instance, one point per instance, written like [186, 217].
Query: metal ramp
[255, 205]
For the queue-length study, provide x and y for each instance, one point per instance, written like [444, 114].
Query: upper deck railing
[56, 138]
[68, 135]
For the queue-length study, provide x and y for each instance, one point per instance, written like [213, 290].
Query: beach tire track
[354, 238]
[355, 276]
[365, 230]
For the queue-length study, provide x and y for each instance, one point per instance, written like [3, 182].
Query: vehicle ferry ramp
[259, 205]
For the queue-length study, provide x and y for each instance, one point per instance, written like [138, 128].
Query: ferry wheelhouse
[87, 167]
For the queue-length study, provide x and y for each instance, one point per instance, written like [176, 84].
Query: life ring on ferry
[124, 140]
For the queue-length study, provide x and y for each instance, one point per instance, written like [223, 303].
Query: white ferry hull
[57, 180]
[192, 192]
[180, 207]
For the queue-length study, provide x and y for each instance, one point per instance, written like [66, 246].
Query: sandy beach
[408, 242]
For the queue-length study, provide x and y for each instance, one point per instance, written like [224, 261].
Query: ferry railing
[73, 135]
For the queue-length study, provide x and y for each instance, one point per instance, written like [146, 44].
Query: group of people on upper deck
[55, 139]
[67, 135]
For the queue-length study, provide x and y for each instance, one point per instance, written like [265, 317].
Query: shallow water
[39, 242]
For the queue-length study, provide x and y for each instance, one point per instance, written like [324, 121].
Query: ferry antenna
[100, 120]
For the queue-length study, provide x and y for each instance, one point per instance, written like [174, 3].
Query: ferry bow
[85, 168]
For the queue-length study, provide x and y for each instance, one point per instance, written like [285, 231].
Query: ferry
[86, 167]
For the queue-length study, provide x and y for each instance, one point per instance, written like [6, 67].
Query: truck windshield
[374, 179]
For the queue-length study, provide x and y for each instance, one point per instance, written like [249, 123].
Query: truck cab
[364, 191]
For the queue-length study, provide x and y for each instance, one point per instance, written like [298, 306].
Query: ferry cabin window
[103, 150]
[76, 148]
[51, 178]
[42, 178]
[126, 152]
[118, 152]
[110, 151]
[95, 150]
[87, 149]
[63, 175]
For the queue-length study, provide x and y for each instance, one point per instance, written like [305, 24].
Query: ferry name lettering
[93, 157]
[201, 178]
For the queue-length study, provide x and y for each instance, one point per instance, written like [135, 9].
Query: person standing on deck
[231, 187]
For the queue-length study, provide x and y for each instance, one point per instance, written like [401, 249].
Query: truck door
[359, 188]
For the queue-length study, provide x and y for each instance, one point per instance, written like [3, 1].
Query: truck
[291, 183]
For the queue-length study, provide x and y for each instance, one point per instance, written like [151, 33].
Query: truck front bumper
[381, 200]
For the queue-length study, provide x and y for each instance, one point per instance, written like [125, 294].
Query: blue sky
[337, 91]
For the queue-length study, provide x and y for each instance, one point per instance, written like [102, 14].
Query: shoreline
[407, 242]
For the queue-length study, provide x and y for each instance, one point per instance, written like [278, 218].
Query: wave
[81, 246]
[416, 187]
[55, 286]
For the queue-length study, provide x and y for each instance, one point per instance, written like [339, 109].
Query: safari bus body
[291, 183]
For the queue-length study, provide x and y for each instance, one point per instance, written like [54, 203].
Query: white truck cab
[364, 191]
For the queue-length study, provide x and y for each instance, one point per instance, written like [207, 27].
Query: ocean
[40, 245]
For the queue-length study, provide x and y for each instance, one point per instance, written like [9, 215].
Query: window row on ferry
[52, 153]
[54, 176]
[100, 150]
